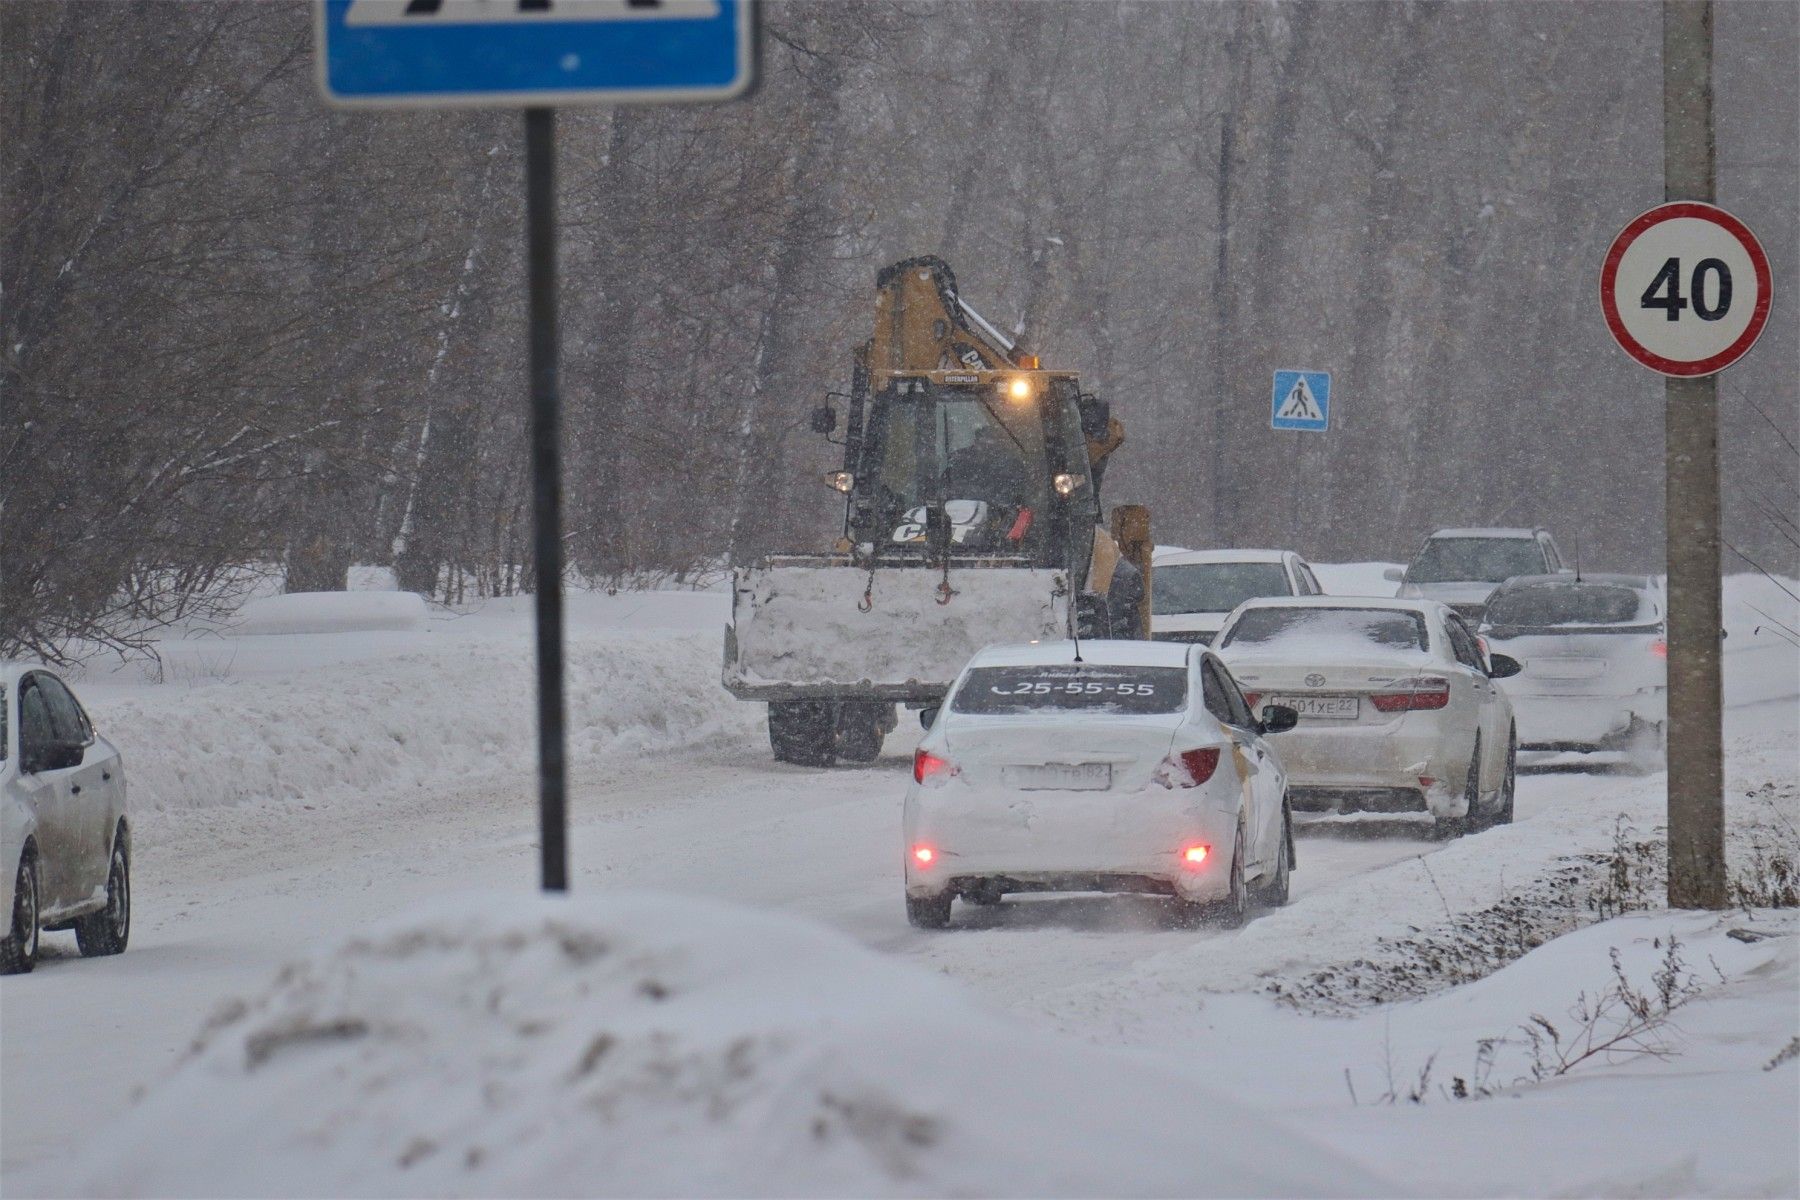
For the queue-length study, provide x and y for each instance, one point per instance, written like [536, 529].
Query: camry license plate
[1068, 777]
[1329, 708]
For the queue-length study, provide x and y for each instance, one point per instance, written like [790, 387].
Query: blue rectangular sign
[1301, 400]
[410, 53]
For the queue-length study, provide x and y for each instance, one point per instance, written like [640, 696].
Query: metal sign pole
[546, 494]
[1691, 503]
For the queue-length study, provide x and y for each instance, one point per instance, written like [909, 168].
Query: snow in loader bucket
[799, 629]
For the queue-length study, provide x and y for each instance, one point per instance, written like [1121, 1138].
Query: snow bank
[432, 717]
[331, 612]
[655, 1045]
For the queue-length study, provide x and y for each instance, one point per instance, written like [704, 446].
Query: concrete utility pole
[1691, 503]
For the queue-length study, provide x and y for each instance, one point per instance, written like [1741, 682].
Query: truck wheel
[861, 728]
[930, 913]
[800, 732]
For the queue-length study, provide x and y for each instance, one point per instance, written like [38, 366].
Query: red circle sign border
[1764, 288]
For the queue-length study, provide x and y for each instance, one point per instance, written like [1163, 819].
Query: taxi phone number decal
[1076, 688]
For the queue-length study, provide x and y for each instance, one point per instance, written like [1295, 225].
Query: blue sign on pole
[530, 53]
[1301, 400]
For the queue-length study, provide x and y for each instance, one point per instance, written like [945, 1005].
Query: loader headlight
[843, 481]
[1019, 388]
[1066, 483]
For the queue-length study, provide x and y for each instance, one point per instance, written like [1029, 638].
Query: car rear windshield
[1215, 587]
[1472, 560]
[1552, 605]
[1312, 630]
[1071, 687]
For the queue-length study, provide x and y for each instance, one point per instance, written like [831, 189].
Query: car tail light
[1251, 698]
[1193, 856]
[1190, 768]
[924, 855]
[1659, 648]
[1420, 694]
[928, 766]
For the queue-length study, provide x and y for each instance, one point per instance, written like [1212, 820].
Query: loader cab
[994, 462]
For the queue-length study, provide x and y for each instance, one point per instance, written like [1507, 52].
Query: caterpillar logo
[486, 12]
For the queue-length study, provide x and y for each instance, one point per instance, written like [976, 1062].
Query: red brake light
[1659, 648]
[1421, 694]
[1190, 768]
[926, 765]
[1194, 855]
[1020, 527]
[924, 855]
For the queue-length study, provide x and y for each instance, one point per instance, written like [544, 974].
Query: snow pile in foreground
[433, 717]
[653, 1045]
[331, 612]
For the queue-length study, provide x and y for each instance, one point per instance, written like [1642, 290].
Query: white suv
[1462, 567]
[66, 846]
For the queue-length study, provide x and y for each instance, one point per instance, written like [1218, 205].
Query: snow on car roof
[1478, 532]
[1181, 558]
[1103, 652]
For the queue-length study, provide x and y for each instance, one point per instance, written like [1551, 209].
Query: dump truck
[971, 490]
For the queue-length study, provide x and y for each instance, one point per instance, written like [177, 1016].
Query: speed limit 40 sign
[1685, 289]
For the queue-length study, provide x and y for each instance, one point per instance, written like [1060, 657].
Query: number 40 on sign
[1686, 289]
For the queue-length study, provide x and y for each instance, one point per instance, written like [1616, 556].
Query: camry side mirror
[927, 716]
[1503, 666]
[1278, 718]
[1394, 574]
[824, 419]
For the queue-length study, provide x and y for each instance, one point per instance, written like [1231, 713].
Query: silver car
[1460, 567]
[63, 830]
[1196, 589]
[1594, 658]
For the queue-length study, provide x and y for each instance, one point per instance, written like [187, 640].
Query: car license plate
[1329, 708]
[1069, 777]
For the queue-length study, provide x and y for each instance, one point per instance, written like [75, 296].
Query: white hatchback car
[1121, 767]
[1195, 590]
[66, 842]
[1399, 709]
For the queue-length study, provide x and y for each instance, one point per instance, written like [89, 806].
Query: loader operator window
[981, 454]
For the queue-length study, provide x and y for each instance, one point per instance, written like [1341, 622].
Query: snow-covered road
[224, 897]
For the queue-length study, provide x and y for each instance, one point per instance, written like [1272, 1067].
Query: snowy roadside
[329, 717]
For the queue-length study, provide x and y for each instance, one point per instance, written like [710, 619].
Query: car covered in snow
[66, 842]
[1593, 659]
[1112, 766]
[1196, 589]
[1399, 707]
[1461, 567]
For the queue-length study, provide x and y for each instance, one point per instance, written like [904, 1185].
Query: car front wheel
[19, 948]
[107, 931]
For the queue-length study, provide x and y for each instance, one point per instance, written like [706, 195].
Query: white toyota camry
[63, 832]
[1399, 710]
[1119, 767]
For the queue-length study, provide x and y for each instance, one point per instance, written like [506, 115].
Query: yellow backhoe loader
[972, 515]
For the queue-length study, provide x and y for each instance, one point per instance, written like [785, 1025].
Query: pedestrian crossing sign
[1301, 400]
